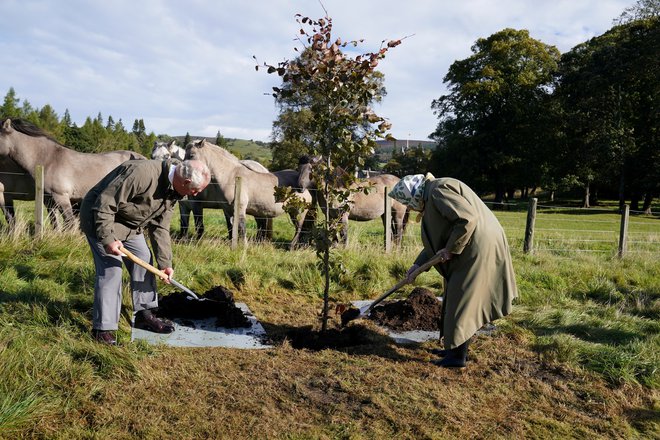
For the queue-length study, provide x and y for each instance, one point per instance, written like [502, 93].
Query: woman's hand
[413, 268]
[445, 255]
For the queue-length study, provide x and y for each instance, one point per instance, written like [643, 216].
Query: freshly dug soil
[332, 338]
[219, 304]
[420, 311]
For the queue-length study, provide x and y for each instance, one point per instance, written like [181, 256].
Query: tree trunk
[647, 203]
[634, 201]
[499, 197]
[622, 191]
[594, 198]
[587, 195]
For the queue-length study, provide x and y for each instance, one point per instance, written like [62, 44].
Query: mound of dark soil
[217, 303]
[420, 311]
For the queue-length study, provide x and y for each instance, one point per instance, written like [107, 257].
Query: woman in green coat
[476, 264]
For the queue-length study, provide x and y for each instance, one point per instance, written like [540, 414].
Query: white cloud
[188, 67]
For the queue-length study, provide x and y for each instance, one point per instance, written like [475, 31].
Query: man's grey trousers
[108, 286]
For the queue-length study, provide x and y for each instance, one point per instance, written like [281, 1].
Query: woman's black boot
[455, 358]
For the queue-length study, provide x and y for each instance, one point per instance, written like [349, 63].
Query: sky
[187, 66]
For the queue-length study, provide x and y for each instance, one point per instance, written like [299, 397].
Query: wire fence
[559, 230]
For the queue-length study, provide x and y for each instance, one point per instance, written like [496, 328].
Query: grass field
[578, 358]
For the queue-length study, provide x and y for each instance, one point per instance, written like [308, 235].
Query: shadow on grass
[643, 419]
[58, 312]
[590, 333]
[23, 271]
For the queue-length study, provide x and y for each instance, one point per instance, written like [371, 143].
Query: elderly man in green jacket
[136, 197]
[475, 261]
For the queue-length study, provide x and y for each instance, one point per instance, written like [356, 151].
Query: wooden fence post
[237, 210]
[388, 221]
[528, 246]
[38, 200]
[623, 232]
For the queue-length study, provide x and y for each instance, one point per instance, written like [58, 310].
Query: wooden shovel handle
[143, 263]
[437, 258]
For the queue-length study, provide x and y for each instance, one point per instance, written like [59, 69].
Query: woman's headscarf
[410, 190]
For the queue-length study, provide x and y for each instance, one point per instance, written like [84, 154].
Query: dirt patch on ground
[305, 337]
[217, 302]
[420, 311]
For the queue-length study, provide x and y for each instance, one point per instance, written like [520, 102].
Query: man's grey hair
[196, 171]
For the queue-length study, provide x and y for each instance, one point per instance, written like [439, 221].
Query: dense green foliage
[518, 117]
[494, 121]
[415, 160]
[610, 96]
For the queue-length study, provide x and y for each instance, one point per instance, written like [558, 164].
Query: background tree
[186, 140]
[641, 10]
[491, 122]
[29, 113]
[110, 125]
[10, 107]
[338, 90]
[66, 119]
[290, 138]
[49, 121]
[610, 90]
[220, 140]
[414, 160]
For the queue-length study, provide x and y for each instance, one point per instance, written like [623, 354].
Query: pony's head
[5, 133]
[194, 149]
[160, 151]
[10, 127]
[165, 150]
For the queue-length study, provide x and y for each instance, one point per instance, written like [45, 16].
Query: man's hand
[113, 248]
[170, 273]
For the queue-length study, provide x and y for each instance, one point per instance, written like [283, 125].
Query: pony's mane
[28, 128]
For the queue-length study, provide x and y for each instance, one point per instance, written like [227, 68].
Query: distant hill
[259, 151]
[242, 148]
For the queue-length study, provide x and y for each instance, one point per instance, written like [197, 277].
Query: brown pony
[68, 174]
[257, 195]
[363, 207]
[16, 184]
[192, 205]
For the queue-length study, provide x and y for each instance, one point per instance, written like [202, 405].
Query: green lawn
[579, 357]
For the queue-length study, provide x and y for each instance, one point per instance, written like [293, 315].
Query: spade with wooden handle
[135, 259]
[355, 313]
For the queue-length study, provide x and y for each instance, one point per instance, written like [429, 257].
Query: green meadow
[578, 358]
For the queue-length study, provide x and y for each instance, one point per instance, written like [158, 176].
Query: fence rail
[545, 229]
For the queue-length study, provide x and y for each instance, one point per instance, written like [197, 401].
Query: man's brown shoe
[145, 320]
[104, 336]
